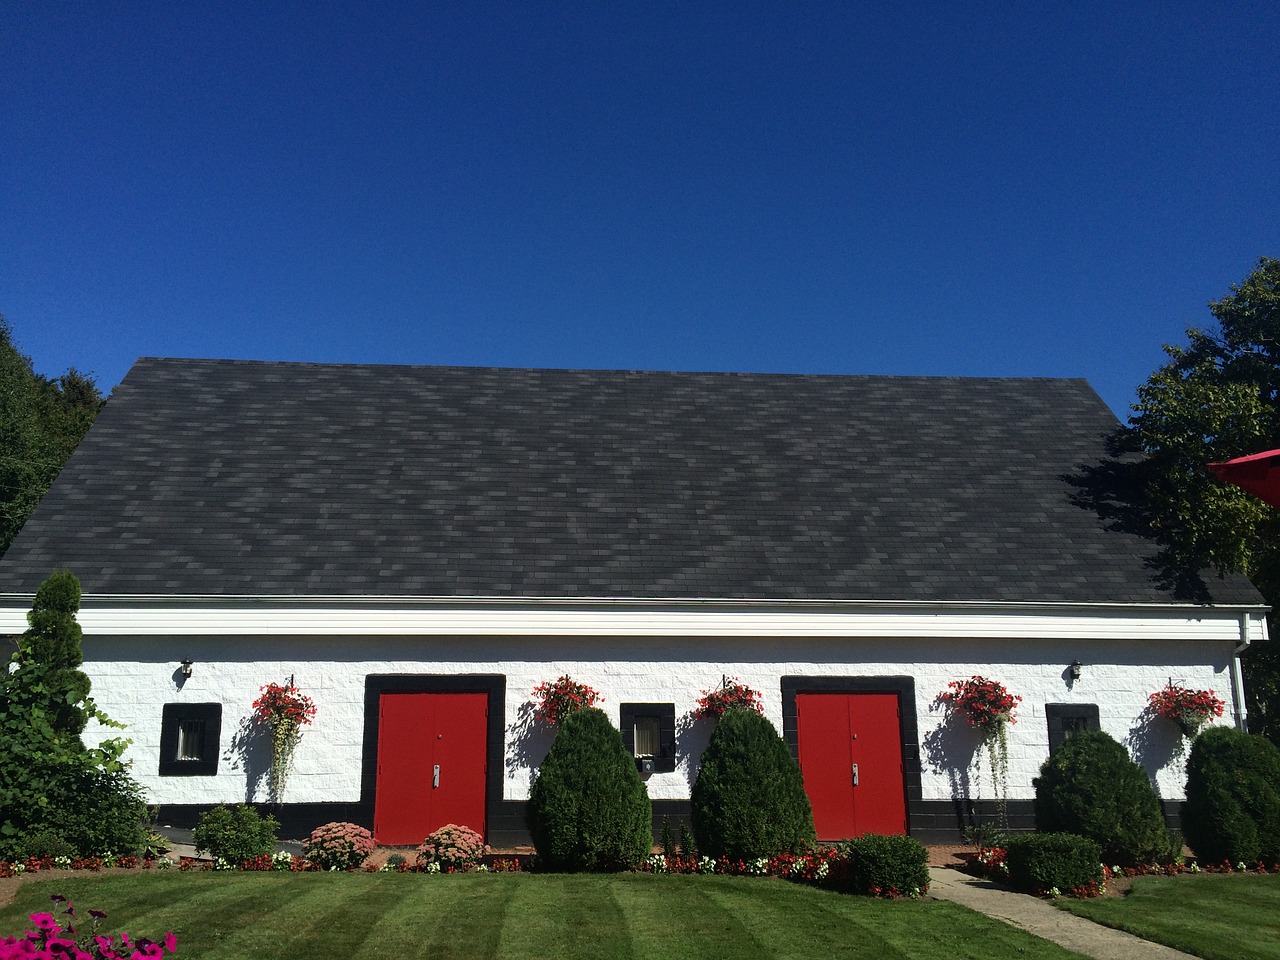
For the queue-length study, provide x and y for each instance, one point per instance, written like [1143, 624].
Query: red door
[431, 764]
[851, 758]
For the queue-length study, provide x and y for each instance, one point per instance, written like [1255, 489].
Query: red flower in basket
[985, 703]
[559, 698]
[731, 693]
[1188, 709]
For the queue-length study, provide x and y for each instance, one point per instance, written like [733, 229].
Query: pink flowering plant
[338, 846]
[284, 711]
[452, 849]
[732, 692]
[1188, 709]
[558, 698]
[57, 939]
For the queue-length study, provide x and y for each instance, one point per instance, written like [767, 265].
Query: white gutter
[1237, 675]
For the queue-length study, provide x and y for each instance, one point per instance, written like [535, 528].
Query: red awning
[1258, 473]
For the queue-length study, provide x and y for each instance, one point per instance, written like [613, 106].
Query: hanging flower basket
[985, 704]
[1189, 710]
[559, 698]
[284, 711]
[988, 705]
[732, 692]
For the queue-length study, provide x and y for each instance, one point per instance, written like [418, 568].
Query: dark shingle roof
[247, 478]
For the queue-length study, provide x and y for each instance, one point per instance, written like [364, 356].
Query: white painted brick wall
[132, 683]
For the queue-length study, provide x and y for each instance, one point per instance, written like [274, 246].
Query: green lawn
[1219, 917]
[256, 916]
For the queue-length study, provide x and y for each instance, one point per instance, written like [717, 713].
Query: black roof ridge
[495, 368]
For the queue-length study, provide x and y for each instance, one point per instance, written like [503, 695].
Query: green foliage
[1041, 862]
[1233, 797]
[885, 865]
[235, 834]
[588, 808]
[50, 782]
[749, 799]
[53, 640]
[1091, 787]
[42, 420]
[1217, 398]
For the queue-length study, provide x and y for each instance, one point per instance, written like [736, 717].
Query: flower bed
[53, 937]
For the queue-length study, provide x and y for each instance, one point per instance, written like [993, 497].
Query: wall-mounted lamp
[1075, 669]
[186, 668]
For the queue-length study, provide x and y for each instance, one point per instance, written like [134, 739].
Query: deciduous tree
[1217, 398]
[42, 420]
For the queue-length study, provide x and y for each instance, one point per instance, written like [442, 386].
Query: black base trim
[932, 821]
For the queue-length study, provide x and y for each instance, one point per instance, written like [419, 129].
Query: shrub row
[589, 810]
[1091, 787]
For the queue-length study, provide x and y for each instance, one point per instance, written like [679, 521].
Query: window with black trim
[1066, 719]
[649, 732]
[189, 734]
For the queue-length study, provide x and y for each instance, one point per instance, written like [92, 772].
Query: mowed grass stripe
[679, 918]
[795, 923]
[936, 930]
[461, 915]
[232, 916]
[204, 908]
[563, 917]
[322, 917]
[1220, 917]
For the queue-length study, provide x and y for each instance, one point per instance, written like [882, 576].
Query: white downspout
[1237, 675]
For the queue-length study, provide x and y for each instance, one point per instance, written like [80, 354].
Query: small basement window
[189, 735]
[649, 732]
[1067, 719]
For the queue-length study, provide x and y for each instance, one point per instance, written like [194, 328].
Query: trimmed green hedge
[1042, 862]
[588, 808]
[749, 799]
[235, 834]
[1091, 787]
[884, 866]
[1233, 797]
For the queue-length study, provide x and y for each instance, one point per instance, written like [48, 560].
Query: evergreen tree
[749, 799]
[588, 808]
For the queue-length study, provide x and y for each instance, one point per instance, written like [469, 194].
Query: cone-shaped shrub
[1233, 797]
[588, 808]
[749, 799]
[1092, 788]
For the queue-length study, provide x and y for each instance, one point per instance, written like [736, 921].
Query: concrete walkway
[1047, 922]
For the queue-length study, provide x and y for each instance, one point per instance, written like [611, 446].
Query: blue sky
[979, 189]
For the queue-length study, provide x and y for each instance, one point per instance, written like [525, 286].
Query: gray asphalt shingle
[250, 478]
